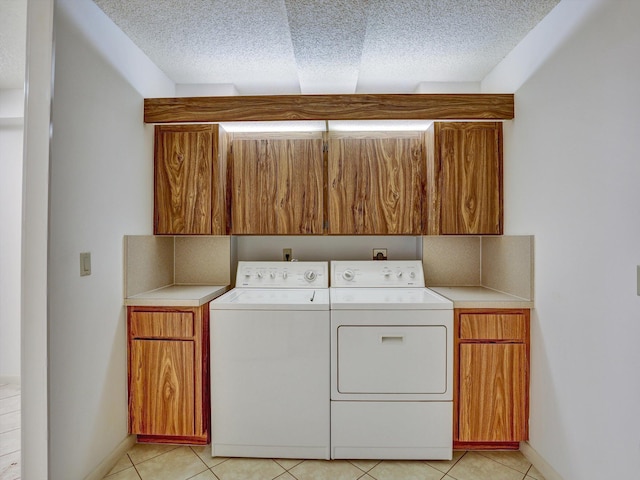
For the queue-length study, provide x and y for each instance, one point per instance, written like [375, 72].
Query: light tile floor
[9, 432]
[170, 462]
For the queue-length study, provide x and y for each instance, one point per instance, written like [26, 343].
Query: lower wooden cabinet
[491, 400]
[169, 374]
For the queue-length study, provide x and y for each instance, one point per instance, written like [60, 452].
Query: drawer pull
[392, 339]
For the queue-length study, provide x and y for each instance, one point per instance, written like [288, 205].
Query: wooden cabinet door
[161, 383]
[464, 190]
[188, 181]
[492, 392]
[376, 185]
[277, 186]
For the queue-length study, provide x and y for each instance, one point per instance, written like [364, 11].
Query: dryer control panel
[375, 273]
[283, 274]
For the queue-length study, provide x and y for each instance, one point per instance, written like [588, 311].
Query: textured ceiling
[326, 46]
[13, 37]
[307, 46]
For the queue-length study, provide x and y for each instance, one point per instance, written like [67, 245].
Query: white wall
[332, 247]
[100, 189]
[572, 178]
[11, 137]
[35, 208]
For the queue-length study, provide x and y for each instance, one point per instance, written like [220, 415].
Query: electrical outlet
[287, 254]
[379, 253]
[85, 264]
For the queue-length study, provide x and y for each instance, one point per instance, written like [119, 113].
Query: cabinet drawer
[493, 326]
[161, 324]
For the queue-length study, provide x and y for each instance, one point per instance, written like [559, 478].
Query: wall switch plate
[379, 253]
[287, 254]
[85, 264]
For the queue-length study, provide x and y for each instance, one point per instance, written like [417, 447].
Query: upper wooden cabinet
[277, 185]
[190, 181]
[464, 178]
[376, 184]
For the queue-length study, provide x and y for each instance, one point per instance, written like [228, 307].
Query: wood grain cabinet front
[190, 181]
[376, 184]
[464, 178]
[277, 185]
[491, 399]
[169, 374]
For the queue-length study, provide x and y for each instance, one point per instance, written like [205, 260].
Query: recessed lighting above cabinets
[330, 125]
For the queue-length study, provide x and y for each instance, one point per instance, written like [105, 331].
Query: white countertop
[481, 297]
[177, 296]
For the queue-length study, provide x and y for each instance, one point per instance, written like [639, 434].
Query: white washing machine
[391, 363]
[270, 348]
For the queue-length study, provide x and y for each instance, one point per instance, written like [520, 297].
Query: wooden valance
[467, 106]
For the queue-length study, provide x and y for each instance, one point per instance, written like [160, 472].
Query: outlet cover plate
[85, 264]
[379, 253]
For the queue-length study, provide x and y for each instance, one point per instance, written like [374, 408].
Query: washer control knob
[284, 275]
[412, 274]
[310, 275]
[259, 275]
[399, 274]
[348, 275]
[387, 274]
[272, 274]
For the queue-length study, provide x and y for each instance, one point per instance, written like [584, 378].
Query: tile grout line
[528, 470]
[155, 456]
[206, 467]
[134, 466]
[10, 396]
[9, 431]
[505, 465]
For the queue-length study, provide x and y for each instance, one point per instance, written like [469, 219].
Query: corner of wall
[110, 461]
[148, 263]
[538, 45]
[140, 72]
[451, 260]
[507, 264]
[539, 462]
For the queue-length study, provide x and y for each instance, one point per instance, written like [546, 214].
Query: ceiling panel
[327, 42]
[413, 41]
[243, 42]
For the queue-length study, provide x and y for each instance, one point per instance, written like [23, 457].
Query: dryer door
[390, 359]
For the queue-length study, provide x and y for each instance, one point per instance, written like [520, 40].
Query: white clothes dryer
[392, 363]
[270, 347]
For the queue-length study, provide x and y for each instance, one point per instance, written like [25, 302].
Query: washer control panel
[377, 273]
[283, 274]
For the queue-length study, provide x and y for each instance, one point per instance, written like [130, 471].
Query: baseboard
[10, 379]
[539, 462]
[110, 461]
